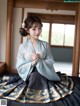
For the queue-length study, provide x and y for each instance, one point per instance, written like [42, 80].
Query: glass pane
[57, 34]
[45, 32]
[69, 35]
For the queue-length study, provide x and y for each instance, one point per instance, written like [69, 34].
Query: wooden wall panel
[10, 4]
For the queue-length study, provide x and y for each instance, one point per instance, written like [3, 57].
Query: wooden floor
[63, 67]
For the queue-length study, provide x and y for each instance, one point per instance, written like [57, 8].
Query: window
[57, 30]
[57, 34]
[69, 35]
[45, 32]
[62, 34]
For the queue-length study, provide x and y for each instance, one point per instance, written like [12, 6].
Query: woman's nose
[37, 31]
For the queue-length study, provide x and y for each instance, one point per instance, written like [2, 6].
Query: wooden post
[22, 21]
[77, 45]
[9, 33]
[49, 39]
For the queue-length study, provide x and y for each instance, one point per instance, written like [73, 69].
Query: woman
[37, 81]
[35, 66]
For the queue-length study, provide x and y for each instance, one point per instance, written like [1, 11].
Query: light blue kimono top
[44, 65]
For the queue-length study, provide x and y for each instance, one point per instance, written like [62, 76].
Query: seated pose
[37, 81]
[35, 66]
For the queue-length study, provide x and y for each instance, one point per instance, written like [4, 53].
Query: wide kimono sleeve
[23, 66]
[45, 66]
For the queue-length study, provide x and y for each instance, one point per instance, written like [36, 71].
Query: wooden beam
[44, 0]
[76, 54]
[9, 33]
[56, 18]
[49, 5]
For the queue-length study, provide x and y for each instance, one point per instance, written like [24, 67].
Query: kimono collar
[31, 45]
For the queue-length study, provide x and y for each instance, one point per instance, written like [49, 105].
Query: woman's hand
[35, 58]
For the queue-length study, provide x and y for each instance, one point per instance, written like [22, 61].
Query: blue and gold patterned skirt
[36, 89]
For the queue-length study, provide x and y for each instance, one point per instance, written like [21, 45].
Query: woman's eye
[33, 28]
[39, 28]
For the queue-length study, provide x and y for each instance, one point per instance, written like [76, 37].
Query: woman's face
[35, 31]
